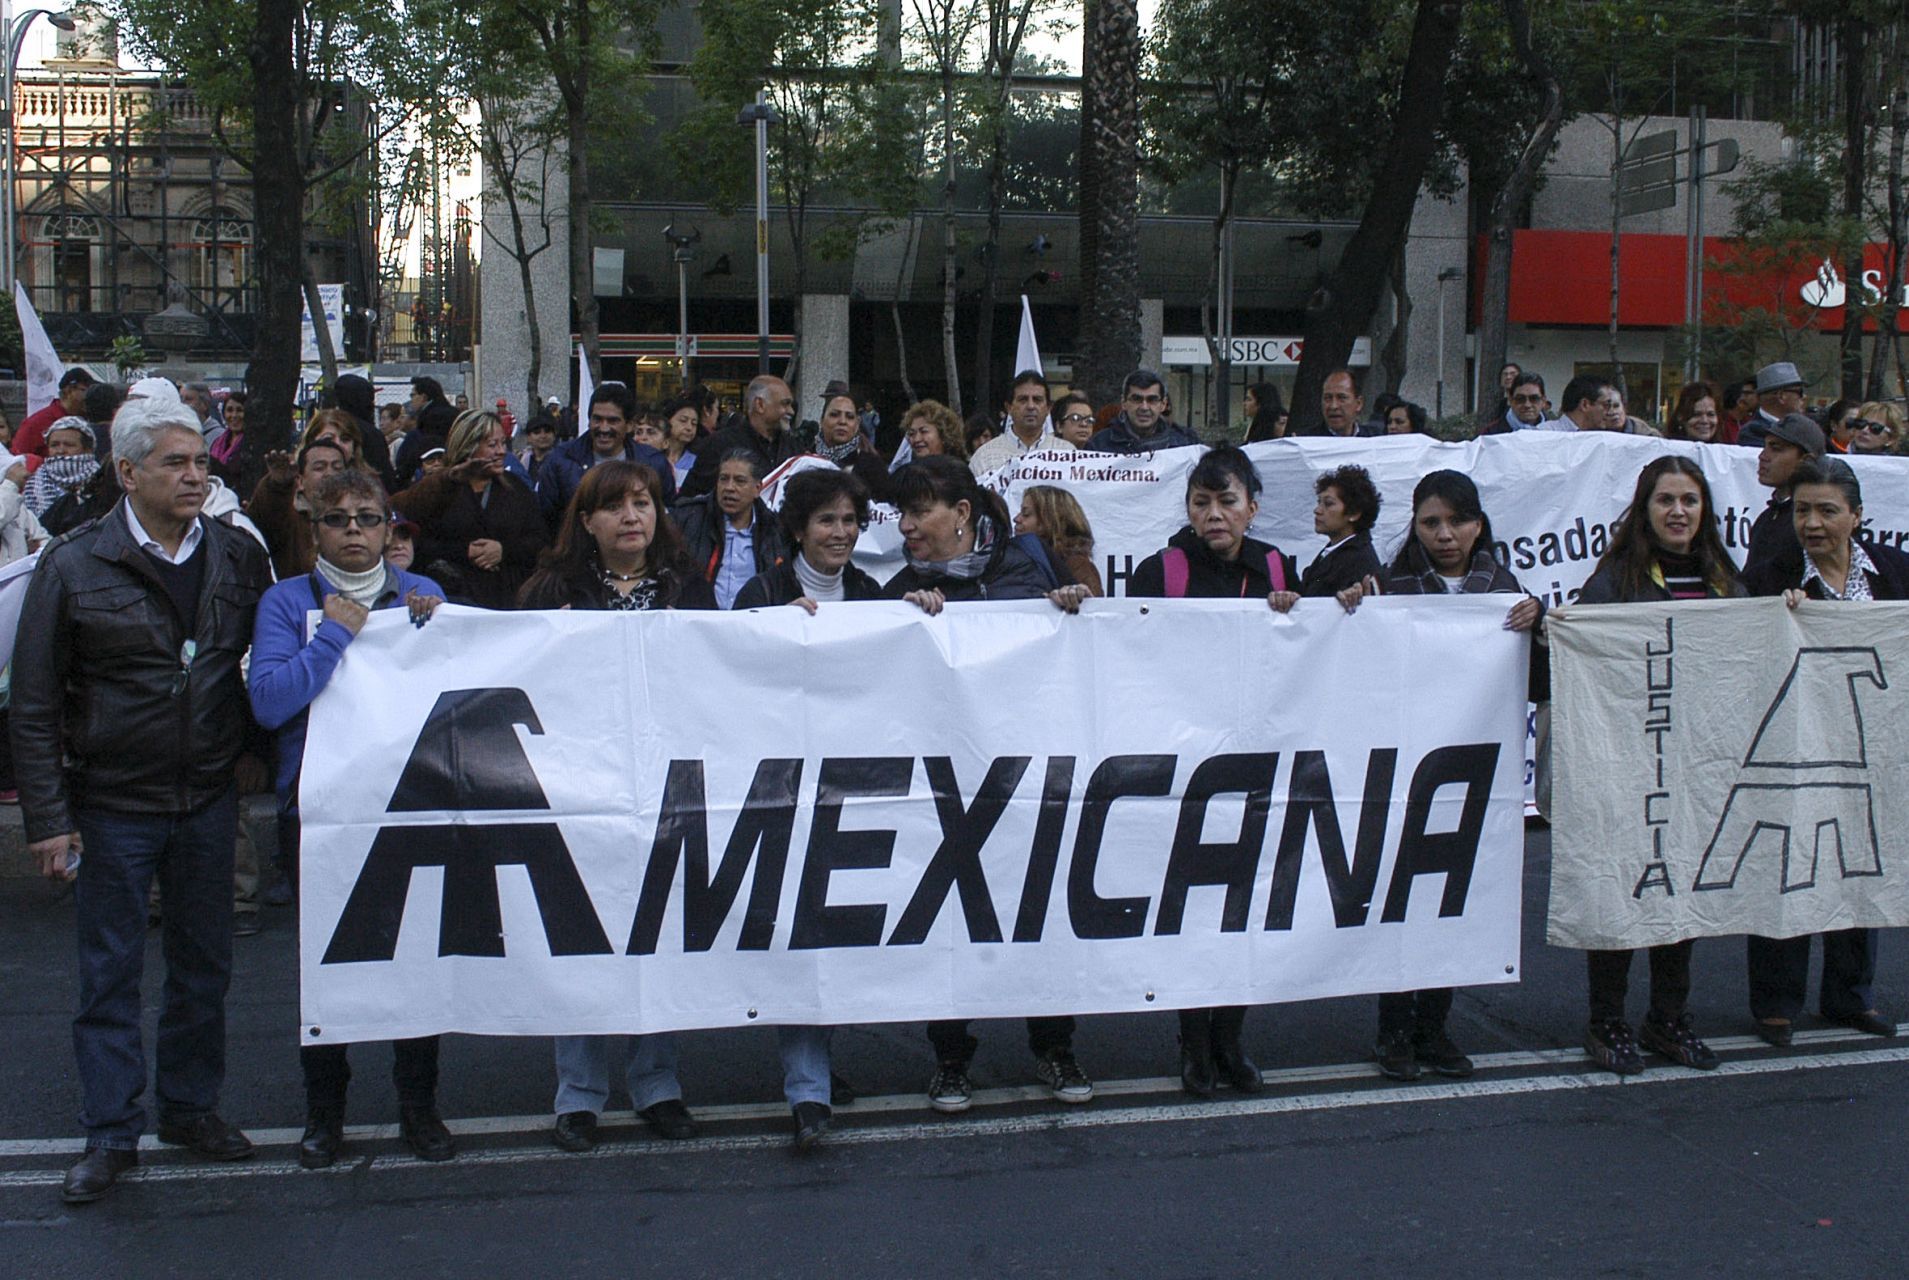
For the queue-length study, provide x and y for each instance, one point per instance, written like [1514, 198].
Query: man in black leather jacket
[129, 715]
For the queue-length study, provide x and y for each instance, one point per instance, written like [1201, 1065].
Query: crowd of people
[165, 611]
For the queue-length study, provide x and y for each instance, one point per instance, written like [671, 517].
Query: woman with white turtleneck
[823, 512]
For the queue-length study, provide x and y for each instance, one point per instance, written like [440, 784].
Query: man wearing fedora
[1786, 443]
[1779, 392]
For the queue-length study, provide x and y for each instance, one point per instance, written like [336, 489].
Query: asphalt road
[1782, 1161]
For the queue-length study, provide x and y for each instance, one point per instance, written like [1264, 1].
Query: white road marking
[1089, 1117]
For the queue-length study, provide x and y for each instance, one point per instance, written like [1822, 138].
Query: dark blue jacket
[287, 673]
[563, 470]
[1119, 436]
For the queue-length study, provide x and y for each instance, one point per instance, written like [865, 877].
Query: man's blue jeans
[191, 854]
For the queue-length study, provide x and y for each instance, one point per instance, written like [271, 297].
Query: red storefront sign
[1564, 278]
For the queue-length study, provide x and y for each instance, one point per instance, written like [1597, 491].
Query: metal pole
[682, 312]
[762, 236]
[1223, 394]
[1690, 244]
[1697, 267]
[1438, 400]
[6, 202]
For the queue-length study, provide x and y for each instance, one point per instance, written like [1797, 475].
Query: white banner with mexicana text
[573, 822]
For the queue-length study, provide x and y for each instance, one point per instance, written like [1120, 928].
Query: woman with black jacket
[480, 530]
[960, 547]
[1447, 551]
[1346, 510]
[1213, 558]
[1837, 565]
[1664, 547]
[823, 513]
[616, 550]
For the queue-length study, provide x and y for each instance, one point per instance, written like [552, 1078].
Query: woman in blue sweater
[350, 520]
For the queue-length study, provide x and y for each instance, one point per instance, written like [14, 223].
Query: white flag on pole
[43, 363]
[585, 389]
[1027, 352]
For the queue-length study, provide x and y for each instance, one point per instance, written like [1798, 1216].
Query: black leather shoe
[841, 1092]
[1776, 1033]
[1196, 1072]
[1231, 1065]
[811, 1122]
[95, 1174]
[576, 1131]
[1869, 1023]
[245, 924]
[670, 1118]
[324, 1136]
[207, 1135]
[423, 1131]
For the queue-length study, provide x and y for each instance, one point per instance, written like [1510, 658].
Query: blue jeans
[191, 854]
[805, 1063]
[583, 1071]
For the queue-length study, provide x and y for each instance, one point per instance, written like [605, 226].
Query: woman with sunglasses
[350, 520]
[1877, 429]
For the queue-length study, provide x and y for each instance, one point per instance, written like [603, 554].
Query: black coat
[702, 522]
[779, 586]
[1890, 581]
[1773, 539]
[450, 518]
[1208, 576]
[1010, 574]
[1346, 565]
[554, 591]
[100, 718]
[1605, 587]
[737, 434]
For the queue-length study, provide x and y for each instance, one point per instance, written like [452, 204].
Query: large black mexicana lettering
[467, 758]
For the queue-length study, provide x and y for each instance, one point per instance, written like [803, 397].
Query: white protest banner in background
[1725, 767]
[871, 815]
[331, 297]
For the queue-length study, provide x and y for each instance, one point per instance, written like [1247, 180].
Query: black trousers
[1780, 974]
[1419, 1014]
[1610, 974]
[1045, 1036]
[413, 1071]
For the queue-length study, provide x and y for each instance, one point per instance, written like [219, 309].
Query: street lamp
[761, 115]
[16, 30]
[1449, 273]
[683, 251]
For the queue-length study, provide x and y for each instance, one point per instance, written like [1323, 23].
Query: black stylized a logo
[467, 758]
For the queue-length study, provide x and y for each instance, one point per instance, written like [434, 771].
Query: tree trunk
[1617, 155]
[1854, 39]
[279, 239]
[1898, 232]
[1397, 353]
[321, 331]
[1220, 357]
[990, 266]
[1089, 200]
[949, 267]
[583, 258]
[1494, 317]
[1110, 90]
[1341, 311]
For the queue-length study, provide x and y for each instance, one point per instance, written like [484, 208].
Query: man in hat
[1787, 442]
[31, 437]
[1779, 392]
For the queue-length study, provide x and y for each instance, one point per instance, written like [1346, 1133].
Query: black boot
[324, 1135]
[1196, 1053]
[423, 1131]
[1230, 1062]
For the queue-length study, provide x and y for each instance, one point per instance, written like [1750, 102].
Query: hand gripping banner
[1727, 767]
[572, 823]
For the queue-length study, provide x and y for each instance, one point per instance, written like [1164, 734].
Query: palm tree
[1109, 196]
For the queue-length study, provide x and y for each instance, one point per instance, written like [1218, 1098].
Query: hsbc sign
[1259, 353]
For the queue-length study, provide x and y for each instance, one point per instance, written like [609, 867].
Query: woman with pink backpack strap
[1212, 558]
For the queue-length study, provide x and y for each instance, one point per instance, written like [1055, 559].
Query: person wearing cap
[31, 437]
[401, 540]
[1836, 564]
[1779, 393]
[1142, 424]
[1788, 442]
[69, 464]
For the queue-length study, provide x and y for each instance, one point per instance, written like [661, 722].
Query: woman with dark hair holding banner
[823, 513]
[1664, 547]
[1447, 551]
[1837, 565]
[617, 550]
[1212, 558]
[350, 517]
[961, 547]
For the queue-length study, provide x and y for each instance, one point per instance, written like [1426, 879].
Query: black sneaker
[1439, 1053]
[576, 1131]
[1678, 1042]
[1064, 1078]
[811, 1122]
[1397, 1060]
[1612, 1046]
[949, 1092]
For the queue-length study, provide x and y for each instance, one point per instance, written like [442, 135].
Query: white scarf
[359, 588]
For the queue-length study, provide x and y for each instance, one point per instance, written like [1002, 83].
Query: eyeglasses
[345, 519]
[1873, 428]
[1077, 417]
[1530, 399]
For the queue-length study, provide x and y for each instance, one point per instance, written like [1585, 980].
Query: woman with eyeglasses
[1074, 419]
[350, 521]
[1877, 428]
